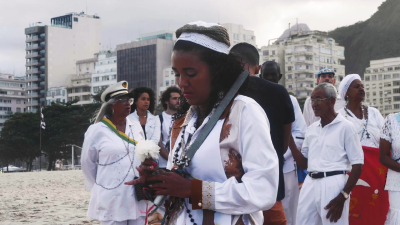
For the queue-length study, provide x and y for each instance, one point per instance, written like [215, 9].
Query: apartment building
[382, 85]
[238, 34]
[301, 54]
[52, 51]
[105, 71]
[12, 96]
[168, 79]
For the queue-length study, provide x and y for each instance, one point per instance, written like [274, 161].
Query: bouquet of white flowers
[147, 149]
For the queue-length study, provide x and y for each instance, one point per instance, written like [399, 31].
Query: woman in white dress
[390, 157]
[142, 111]
[367, 121]
[107, 158]
[233, 175]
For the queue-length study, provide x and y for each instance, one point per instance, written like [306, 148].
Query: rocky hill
[376, 38]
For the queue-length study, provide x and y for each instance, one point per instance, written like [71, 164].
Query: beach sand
[50, 197]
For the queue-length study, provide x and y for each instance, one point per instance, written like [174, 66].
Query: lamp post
[72, 145]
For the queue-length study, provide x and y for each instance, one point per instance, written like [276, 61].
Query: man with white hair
[330, 149]
[328, 76]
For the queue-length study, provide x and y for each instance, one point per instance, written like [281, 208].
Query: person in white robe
[367, 121]
[390, 157]
[234, 174]
[108, 161]
[324, 75]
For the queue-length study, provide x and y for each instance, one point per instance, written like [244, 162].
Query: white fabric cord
[345, 84]
[205, 41]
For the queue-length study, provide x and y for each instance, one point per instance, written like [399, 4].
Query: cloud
[124, 20]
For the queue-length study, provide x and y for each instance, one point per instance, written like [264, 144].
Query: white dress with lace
[391, 133]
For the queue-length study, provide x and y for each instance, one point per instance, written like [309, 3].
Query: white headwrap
[204, 40]
[345, 84]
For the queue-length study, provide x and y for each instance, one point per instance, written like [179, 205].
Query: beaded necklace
[364, 125]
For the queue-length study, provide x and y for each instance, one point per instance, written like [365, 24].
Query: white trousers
[315, 195]
[393, 217]
[138, 221]
[291, 197]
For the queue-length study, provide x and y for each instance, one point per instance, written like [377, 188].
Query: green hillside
[376, 38]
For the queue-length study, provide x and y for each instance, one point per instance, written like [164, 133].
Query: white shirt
[240, 148]
[299, 128]
[152, 127]
[334, 147]
[166, 129]
[391, 133]
[375, 123]
[105, 163]
[308, 112]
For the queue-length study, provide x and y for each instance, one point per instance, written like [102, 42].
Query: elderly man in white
[330, 149]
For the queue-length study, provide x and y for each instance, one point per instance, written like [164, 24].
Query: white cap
[115, 90]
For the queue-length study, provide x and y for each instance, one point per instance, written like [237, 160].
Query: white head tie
[345, 84]
[205, 41]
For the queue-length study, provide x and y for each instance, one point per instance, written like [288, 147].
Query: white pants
[393, 217]
[291, 197]
[315, 195]
[138, 221]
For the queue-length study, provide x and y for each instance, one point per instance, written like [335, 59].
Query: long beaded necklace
[131, 162]
[365, 124]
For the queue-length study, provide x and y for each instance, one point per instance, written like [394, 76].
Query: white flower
[147, 149]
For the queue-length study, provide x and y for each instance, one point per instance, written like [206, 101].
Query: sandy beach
[50, 197]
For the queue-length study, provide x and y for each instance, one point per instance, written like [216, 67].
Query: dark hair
[270, 63]
[137, 92]
[224, 70]
[166, 95]
[246, 53]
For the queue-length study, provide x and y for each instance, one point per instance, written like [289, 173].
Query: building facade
[382, 85]
[57, 95]
[105, 71]
[52, 51]
[238, 34]
[301, 55]
[168, 79]
[142, 63]
[12, 96]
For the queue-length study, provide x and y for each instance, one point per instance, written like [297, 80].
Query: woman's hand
[172, 185]
[145, 169]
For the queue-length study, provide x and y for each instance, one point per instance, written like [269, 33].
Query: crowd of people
[233, 143]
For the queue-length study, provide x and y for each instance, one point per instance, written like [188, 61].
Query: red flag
[369, 202]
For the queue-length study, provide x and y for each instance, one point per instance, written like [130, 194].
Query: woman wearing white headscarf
[390, 157]
[368, 121]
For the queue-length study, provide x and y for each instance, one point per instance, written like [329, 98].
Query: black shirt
[144, 131]
[275, 101]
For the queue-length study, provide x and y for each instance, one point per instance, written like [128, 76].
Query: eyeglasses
[124, 100]
[317, 100]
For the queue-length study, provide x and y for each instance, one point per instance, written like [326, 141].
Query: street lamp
[72, 145]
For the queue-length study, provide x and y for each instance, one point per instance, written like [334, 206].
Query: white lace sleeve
[386, 132]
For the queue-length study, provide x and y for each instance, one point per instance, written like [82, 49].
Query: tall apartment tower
[52, 51]
[142, 63]
[12, 96]
[382, 85]
[301, 53]
[238, 34]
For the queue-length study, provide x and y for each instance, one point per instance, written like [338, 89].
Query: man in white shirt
[271, 73]
[324, 75]
[170, 100]
[331, 148]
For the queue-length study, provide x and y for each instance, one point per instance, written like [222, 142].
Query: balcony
[32, 103]
[79, 85]
[31, 71]
[32, 55]
[32, 78]
[33, 63]
[32, 110]
[32, 87]
[42, 84]
[304, 53]
[33, 47]
[81, 77]
[33, 38]
[301, 71]
[6, 112]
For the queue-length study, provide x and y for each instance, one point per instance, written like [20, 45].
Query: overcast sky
[123, 20]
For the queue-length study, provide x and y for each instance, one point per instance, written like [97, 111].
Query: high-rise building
[238, 34]
[142, 63]
[12, 96]
[382, 85]
[52, 51]
[301, 53]
[105, 71]
[168, 79]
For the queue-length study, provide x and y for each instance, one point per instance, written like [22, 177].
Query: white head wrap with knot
[345, 84]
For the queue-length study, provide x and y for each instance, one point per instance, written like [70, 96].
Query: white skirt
[393, 217]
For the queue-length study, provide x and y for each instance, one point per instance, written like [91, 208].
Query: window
[396, 98]
[397, 82]
[244, 37]
[290, 76]
[96, 79]
[366, 78]
[396, 91]
[390, 68]
[18, 109]
[386, 76]
[95, 89]
[103, 78]
[289, 59]
[380, 77]
[289, 68]
[7, 101]
[316, 58]
[396, 106]
[373, 77]
[75, 19]
[266, 52]
[113, 77]
[374, 93]
[396, 75]
[273, 52]
[172, 82]
[290, 86]
[341, 53]
[387, 107]
[167, 83]
[18, 101]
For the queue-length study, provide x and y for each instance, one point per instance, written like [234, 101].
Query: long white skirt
[393, 217]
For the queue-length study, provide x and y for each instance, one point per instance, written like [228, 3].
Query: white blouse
[237, 164]
[375, 123]
[106, 166]
[391, 133]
